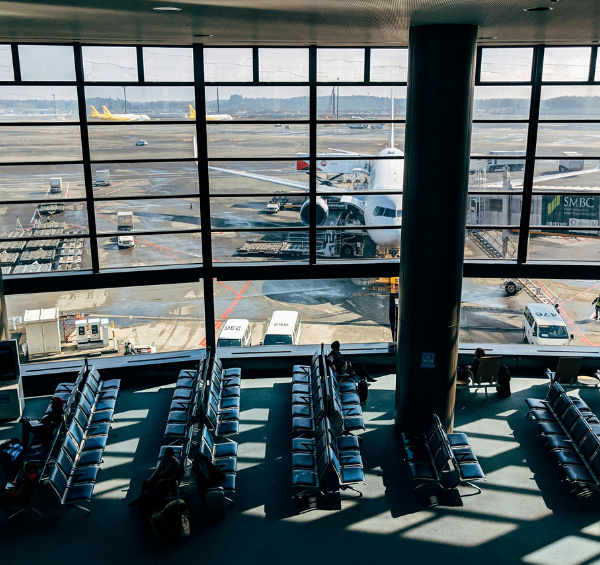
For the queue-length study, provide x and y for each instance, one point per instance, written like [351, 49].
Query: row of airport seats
[321, 463]
[567, 374]
[223, 399]
[78, 461]
[570, 431]
[184, 403]
[223, 457]
[345, 401]
[40, 453]
[446, 460]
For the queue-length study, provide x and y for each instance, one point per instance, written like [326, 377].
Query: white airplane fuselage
[384, 209]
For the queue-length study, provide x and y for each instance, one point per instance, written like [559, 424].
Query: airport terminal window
[228, 65]
[283, 65]
[6, 65]
[39, 103]
[168, 64]
[570, 102]
[360, 103]
[566, 64]
[51, 63]
[506, 64]
[502, 102]
[110, 64]
[344, 65]
[389, 65]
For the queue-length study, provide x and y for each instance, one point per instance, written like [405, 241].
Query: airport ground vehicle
[515, 160]
[573, 162]
[126, 241]
[56, 185]
[273, 207]
[284, 328]
[236, 333]
[141, 143]
[103, 178]
[543, 325]
[124, 221]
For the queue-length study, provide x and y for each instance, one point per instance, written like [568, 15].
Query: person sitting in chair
[338, 362]
[162, 482]
[44, 428]
[21, 490]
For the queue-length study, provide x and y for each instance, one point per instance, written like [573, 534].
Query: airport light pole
[54, 98]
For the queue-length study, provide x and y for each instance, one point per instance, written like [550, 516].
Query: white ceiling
[293, 22]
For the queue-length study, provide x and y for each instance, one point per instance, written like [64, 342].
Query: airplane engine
[322, 212]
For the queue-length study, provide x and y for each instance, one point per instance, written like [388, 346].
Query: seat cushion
[458, 440]
[228, 483]
[353, 423]
[104, 405]
[228, 449]
[350, 411]
[566, 457]
[301, 398]
[464, 455]
[233, 372]
[471, 471]
[183, 394]
[422, 471]
[301, 410]
[185, 383]
[559, 442]
[228, 392]
[90, 458]
[302, 445]
[418, 454]
[543, 416]
[112, 383]
[79, 493]
[346, 387]
[591, 419]
[300, 388]
[232, 403]
[175, 430]
[109, 394]
[302, 369]
[102, 417]
[352, 475]
[232, 381]
[304, 479]
[228, 427]
[301, 378]
[85, 474]
[581, 404]
[578, 474]
[98, 430]
[303, 424]
[350, 459]
[95, 442]
[177, 417]
[350, 398]
[347, 442]
[536, 404]
[303, 461]
[227, 465]
[552, 428]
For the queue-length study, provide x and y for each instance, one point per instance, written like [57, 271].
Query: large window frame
[312, 268]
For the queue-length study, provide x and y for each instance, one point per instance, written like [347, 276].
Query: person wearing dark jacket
[46, 426]
[596, 304]
[338, 362]
[479, 353]
[22, 489]
[162, 482]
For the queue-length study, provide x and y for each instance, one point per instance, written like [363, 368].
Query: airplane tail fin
[391, 141]
[107, 113]
[192, 115]
[95, 113]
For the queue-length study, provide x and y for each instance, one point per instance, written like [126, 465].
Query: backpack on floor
[363, 390]
[173, 522]
[11, 456]
[503, 388]
[215, 504]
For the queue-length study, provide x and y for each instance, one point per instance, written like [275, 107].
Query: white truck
[56, 185]
[124, 221]
[126, 242]
[273, 207]
[514, 160]
[103, 177]
[572, 162]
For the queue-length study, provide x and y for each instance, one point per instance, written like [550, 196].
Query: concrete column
[4, 330]
[436, 174]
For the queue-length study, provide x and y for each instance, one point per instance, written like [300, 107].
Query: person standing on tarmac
[596, 303]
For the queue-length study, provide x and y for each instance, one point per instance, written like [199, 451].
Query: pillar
[436, 174]
[4, 330]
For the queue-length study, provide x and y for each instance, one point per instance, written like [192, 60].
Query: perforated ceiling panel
[281, 22]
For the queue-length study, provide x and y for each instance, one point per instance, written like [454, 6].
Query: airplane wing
[343, 152]
[274, 180]
[519, 183]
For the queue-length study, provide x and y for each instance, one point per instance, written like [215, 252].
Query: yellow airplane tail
[107, 113]
[192, 115]
[95, 113]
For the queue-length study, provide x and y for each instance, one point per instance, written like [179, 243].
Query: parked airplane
[209, 117]
[107, 115]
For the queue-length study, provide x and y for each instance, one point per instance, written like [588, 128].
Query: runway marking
[229, 310]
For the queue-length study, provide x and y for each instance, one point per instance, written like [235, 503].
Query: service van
[284, 328]
[236, 333]
[543, 325]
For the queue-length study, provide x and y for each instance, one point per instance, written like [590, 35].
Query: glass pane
[140, 103]
[501, 102]
[570, 102]
[25, 182]
[228, 65]
[38, 104]
[23, 257]
[360, 102]
[345, 65]
[170, 316]
[494, 210]
[244, 247]
[310, 298]
[358, 243]
[249, 212]
[248, 140]
[511, 64]
[258, 177]
[47, 62]
[144, 179]
[566, 63]
[355, 175]
[565, 245]
[491, 244]
[149, 250]
[496, 174]
[110, 64]
[581, 175]
[283, 65]
[39, 143]
[370, 139]
[389, 65]
[6, 66]
[499, 139]
[556, 139]
[257, 103]
[558, 210]
[125, 141]
[147, 215]
[69, 217]
[171, 64]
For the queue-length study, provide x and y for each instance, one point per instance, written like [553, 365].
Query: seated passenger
[21, 490]
[338, 362]
[479, 353]
[162, 482]
[44, 428]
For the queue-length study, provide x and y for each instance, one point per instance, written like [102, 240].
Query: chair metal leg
[468, 484]
[348, 487]
[16, 513]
